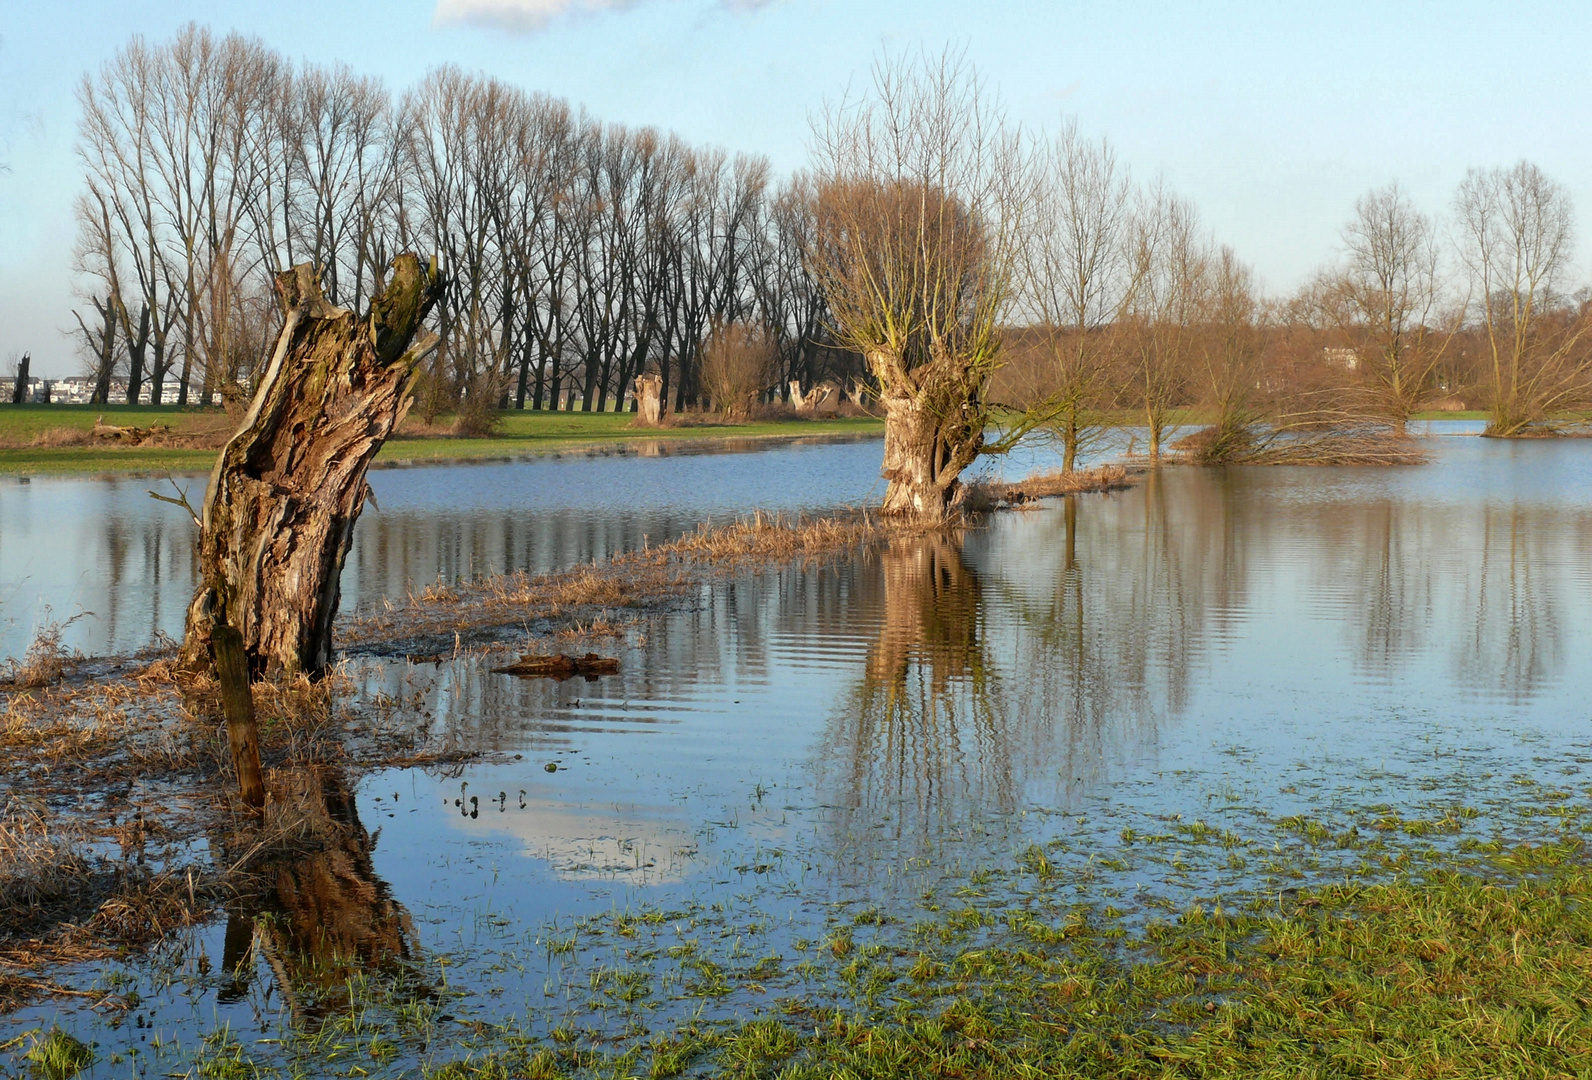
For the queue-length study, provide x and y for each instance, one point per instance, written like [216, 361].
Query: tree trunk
[924, 483]
[285, 493]
[237, 702]
[933, 429]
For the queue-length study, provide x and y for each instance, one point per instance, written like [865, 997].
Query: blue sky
[1273, 117]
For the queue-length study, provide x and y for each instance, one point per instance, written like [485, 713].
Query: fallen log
[136, 436]
[561, 666]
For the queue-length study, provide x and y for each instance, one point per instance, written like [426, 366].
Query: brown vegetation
[44, 662]
[984, 496]
[738, 365]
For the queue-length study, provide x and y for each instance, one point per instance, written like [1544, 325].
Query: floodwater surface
[102, 550]
[854, 743]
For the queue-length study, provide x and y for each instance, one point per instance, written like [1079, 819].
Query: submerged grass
[1473, 965]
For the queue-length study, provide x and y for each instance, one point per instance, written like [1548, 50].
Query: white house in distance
[79, 390]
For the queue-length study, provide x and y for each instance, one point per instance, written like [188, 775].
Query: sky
[1273, 117]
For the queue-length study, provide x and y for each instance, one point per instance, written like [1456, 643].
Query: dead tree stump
[649, 399]
[288, 486]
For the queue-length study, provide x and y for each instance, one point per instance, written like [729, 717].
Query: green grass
[527, 432]
[56, 1056]
[522, 433]
[1454, 975]
[1470, 959]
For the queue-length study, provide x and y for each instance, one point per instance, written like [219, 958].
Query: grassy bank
[28, 432]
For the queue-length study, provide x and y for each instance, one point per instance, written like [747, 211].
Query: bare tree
[738, 364]
[118, 153]
[1078, 276]
[1516, 229]
[96, 258]
[1228, 369]
[922, 186]
[1385, 301]
[1171, 266]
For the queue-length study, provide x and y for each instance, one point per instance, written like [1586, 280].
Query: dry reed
[45, 661]
[39, 867]
[985, 496]
[1359, 444]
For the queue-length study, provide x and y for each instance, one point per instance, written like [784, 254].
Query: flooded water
[1234, 646]
[103, 550]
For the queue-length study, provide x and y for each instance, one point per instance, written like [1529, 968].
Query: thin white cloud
[528, 16]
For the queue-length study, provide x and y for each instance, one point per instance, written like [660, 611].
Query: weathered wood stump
[809, 402]
[288, 486]
[649, 399]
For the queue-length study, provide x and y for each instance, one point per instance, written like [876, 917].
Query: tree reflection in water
[925, 728]
[1013, 668]
[321, 917]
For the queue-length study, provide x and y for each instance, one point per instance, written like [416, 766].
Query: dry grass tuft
[39, 868]
[45, 661]
[62, 436]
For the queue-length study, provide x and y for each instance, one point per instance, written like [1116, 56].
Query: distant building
[79, 390]
[1348, 359]
[73, 390]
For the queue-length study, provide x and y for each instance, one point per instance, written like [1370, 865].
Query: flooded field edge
[1113, 866]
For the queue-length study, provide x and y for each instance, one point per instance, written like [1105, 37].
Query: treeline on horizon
[582, 253]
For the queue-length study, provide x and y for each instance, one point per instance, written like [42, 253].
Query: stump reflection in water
[322, 917]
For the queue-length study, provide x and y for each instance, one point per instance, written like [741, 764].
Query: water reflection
[927, 727]
[325, 917]
[1516, 644]
[103, 546]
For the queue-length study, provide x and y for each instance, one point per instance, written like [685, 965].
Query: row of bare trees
[967, 265]
[580, 253]
[1132, 309]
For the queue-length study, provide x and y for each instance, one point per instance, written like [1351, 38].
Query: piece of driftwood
[288, 487]
[561, 666]
[135, 436]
